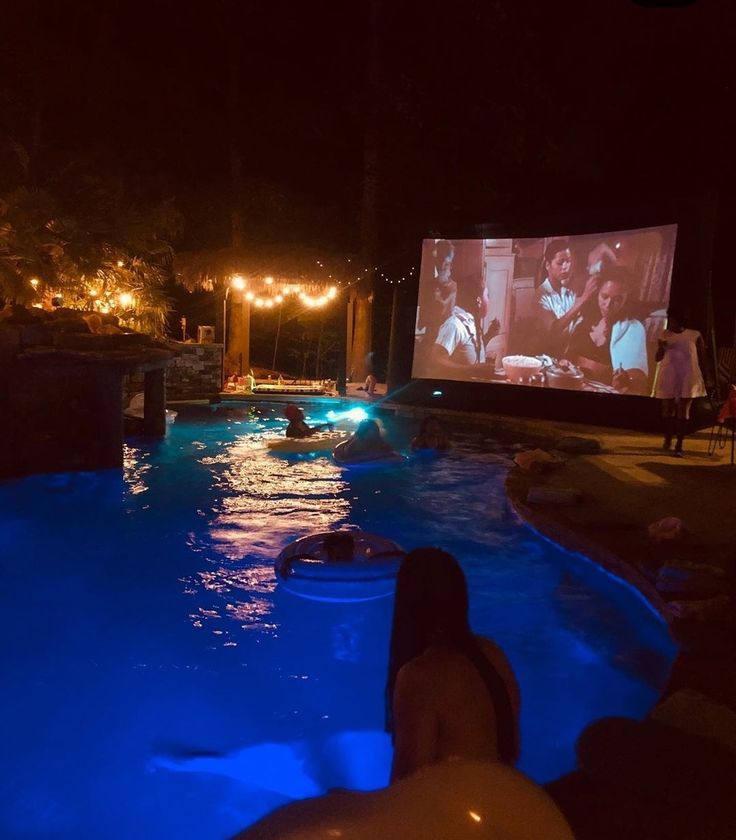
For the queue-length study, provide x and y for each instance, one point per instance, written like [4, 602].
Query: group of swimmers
[367, 442]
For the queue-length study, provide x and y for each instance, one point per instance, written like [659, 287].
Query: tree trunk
[318, 359]
[360, 309]
[238, 356]
[236, 163]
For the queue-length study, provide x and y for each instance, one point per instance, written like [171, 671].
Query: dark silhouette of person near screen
[449, 694]
[607, 344]
[682, 360]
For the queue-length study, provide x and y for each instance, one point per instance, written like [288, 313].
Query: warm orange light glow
[279, 299]
[126, 299]
[249, 295]
[269, 281]
[120, 263]
[237, 282]
[34, 282]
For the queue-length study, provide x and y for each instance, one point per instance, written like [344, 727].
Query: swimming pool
[142, 625]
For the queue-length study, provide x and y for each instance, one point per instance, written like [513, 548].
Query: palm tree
[89, 245]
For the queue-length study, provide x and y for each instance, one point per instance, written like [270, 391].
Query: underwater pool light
[356, 414]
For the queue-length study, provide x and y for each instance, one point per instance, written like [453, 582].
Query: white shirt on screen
[629, 346]
[558, 303]
[459, 337]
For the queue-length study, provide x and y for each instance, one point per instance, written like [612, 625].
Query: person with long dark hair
[450, 693]
[608, 343]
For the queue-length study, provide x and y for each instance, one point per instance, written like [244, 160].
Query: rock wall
[195, 373]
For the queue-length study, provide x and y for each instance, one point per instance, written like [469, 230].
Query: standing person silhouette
[449, 694]
[682, 360]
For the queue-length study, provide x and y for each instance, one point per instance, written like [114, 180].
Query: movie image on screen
[579, 312]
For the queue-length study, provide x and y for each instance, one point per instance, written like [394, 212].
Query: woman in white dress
[682, 360]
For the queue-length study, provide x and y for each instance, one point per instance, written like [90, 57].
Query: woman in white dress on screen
[682, 360]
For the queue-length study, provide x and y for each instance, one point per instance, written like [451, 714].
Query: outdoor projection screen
[578, 312]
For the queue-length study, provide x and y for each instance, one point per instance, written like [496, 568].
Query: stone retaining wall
[193, 374]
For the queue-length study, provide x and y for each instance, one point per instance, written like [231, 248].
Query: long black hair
[432, 602]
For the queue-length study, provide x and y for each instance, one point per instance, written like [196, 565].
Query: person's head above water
[431, 601]
[430, 426]
[293, 412]
[339, 546]
[368, 430]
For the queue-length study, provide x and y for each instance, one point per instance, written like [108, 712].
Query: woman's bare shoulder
[489, 647]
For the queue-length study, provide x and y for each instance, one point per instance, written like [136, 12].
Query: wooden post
[154, 405]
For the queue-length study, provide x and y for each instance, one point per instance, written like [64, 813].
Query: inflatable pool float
[136, 408]
[305, 569]
[375, 460]
[320, 442]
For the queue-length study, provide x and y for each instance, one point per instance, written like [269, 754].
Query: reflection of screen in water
[573, 312]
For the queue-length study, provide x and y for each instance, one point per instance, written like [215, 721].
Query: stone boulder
[574, 445]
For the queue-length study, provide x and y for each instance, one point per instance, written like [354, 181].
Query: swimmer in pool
[298, 427]
[431, 436]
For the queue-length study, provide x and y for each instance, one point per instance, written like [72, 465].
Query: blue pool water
[143, 631]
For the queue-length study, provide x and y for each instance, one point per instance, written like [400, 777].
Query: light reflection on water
[148, 610]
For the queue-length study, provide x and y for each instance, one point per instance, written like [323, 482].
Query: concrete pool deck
[673, 775]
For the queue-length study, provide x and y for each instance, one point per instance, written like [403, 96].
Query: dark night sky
[486, 111]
